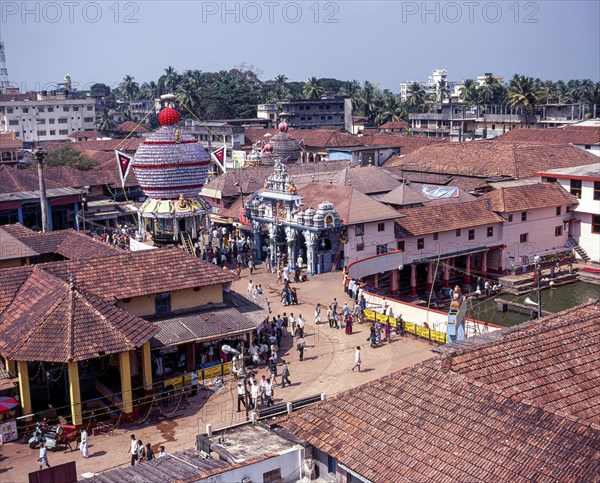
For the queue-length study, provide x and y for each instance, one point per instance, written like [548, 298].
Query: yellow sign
[381, 318]
[212, 371]
[409, 327]
[393, 322]
[178, 381]
[227, 367]
[369, 315]
[423, 332]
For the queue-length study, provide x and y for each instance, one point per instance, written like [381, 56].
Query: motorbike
[63, 434]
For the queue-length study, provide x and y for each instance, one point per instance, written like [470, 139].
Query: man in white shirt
[250, 286]
[357, 359]
[300, 323]
[254, 391]
[241, 390]
[269, 392]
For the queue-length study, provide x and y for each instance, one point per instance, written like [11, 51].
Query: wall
[371, 239]
[589, 241]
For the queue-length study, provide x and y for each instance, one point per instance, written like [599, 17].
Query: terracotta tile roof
[404, 195]
[352, 205]
[130, 126]
[10, 281]
[552, 362]
[13, 180]
[440, 218]
[48, 320]
[93, 135]
[81, 246]
[313, 138]
[528, 197]
[129, 145]
[406, 143]
[487, 159]
[560, 135]
[8, 140]
[424, 424]
[394, 125]
[370, 179]
[12, 248]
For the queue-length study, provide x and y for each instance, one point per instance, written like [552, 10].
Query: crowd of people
[141, 452]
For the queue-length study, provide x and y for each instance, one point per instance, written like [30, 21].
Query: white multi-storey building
[35, 117]
[431, 85]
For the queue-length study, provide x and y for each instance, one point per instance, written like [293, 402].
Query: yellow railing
[409, 327]
[211, 372]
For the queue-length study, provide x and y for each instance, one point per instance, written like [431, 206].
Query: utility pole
[40, 155]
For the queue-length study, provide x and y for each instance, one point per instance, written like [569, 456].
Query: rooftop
[585, 171]
[529, 197]
[568, 134]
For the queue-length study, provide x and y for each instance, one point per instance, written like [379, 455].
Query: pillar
[311, 244]
[376, 280]
[24, 392]
[290, 236]
[429, 276]
[257, 244]
[126, 392]
[468, 270]
[395, 279]
[76, 213]
[413, 280]
[484, 264]
[446, 274]
[20, 214]
[190, 356]
[147, 368]
[50, 225]
[11, 367]
[75, 393]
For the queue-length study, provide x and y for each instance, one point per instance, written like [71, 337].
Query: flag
[301, 143]
[219, 154]
[124, 164]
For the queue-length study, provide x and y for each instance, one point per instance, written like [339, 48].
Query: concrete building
[37, 117]
[583, 182]
[431, 84]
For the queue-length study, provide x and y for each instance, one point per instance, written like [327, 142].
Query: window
[524, 216]
[435, 236]
[400, 246]
[41, 133]
[588, 146]
[380, 226]
[576, 187]
[25, 110]
[551, 180]
[301, 108]
[471, 235]
[302, 118]
[331, 464]
[322, 118]
[381, 249]
[458, 232]
[162, 303]
[75, 108]
[510, 218]
[9, 110]
[41, 121]
[597, 190]
[420, 243]
[359, 229]
[13, 122]
[90, 108]
[41, 109]
[558, 231]
[63, 120]
[51, 121]
[63, 132]
[50, 109]
[66, 109]
[558, 210]
[360, 247]
[52, 132]
[596, 224]
[272, 476]
[490, 231]
[524, 237]
[88, 119]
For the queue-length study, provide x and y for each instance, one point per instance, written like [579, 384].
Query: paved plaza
[328, 359]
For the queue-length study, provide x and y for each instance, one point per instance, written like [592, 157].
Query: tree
[591, 98]
[281, 90]
[106, 122]
[127, 115]
[468, 92]
[129, 88]
[418, 100]
[523, 92]
[68, 156]
[443, 90]
[188, 95]
[171, 79]
[312, 89]
[99, 90]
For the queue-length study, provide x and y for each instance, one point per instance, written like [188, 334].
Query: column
[484, 265]
[126, 392]
[24, 392]
[395, 275]
[20, 214]
[147, 368]
[468, 270]
[257, 244]
[376, 280]
[413, 280]
[429, 276]
[290, 235]
[75, 393]
[311, 244]
[446, 274]
[76, 213]
[271, 229]
[11, 367]
[50, 226]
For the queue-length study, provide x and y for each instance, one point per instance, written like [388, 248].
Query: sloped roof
[370, 179]
[130, 126]
[50, 320]
[405, 142]
[127, 145]
[424, 424]
[313, 138]
[488, 159]
[528, 197]
[569, 134]
[8, 140]
[352, 205]
[11, 248]
[586, 171]
[84, 135]
[394, 125]
[404, 195]
[445, 217]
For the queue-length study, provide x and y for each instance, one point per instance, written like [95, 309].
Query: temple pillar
[20, 215]
[468, 270]
[290, 235]
[429, 276]
[147, 368]
[24, 391]
[413, 280]
[11, 366]
[75, 393]
[484, 264]
[126, 391]
[256, 237]
[273, 247]
[311, 255]
[446, 274]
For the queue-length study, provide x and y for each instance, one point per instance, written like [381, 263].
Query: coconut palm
[313, 89]
[523, 92]
[368, 100]
[442, 90]
[127, 115]
[591, 98]
[418, 99]
[391, 109]
[106, 122]
[129, 88]
[468, 92]
[188, 94]
[281, 89]
[171, 79]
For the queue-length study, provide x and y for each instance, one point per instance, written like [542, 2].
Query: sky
[386, 42]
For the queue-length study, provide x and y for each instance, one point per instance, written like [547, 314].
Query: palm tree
[391, 109]
[188, 94]
[127, 115]
[468, 92]
[129, 87]
[418, 99]
[106, 122]
[591, 97]
[312, 89]
[443, 90]
[523, 92]
[281, 89]
[171, 79]
[368, 100]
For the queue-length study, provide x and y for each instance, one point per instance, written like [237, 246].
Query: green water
[553, 300]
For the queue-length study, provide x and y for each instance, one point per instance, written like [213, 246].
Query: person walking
[285, 374]
[263, 385]
[269, 393]
[43, 456]
[133, 449]
[372, 336]
[318, 314]
[141, 451]
[273, 370]
[83, 446]
[301, 346]
[241, 390]
[194, 383]
[330, 317]
[388, 332]
[300, 322]
[357, 359]
[251, 265]
[254, 392]
[149, 452]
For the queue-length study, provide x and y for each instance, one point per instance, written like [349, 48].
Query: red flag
[219, 154]
[124, 164]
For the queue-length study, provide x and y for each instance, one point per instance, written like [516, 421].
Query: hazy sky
[387, 42]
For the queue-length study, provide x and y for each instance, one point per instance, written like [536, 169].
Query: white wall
[589, 241]
[371, 239]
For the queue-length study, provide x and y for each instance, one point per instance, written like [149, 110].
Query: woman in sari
[349, 325]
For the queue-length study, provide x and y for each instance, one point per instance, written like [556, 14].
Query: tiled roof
[80, 246]
[370, 179]
[552, 362]
[93, 135]
[404, 195]
[424, 424]
[528, 197]
[13, 180]
[446, 217]
[313, 138]
[8, 140]
[130, 126]
[406, 143]
[585, 171]
[352, 205]
[394, 125]
[126, 145]
[487, 159]
[48, 320]
[211, 324]
[11, 248]
[568, 134]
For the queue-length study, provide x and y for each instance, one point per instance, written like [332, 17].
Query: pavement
[328, 359]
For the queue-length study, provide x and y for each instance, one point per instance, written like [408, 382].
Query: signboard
[381, 318]
[369, 315]
[8, 431]
[238, 158]
[213, 371]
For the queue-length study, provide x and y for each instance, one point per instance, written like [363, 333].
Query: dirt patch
[167, 430]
